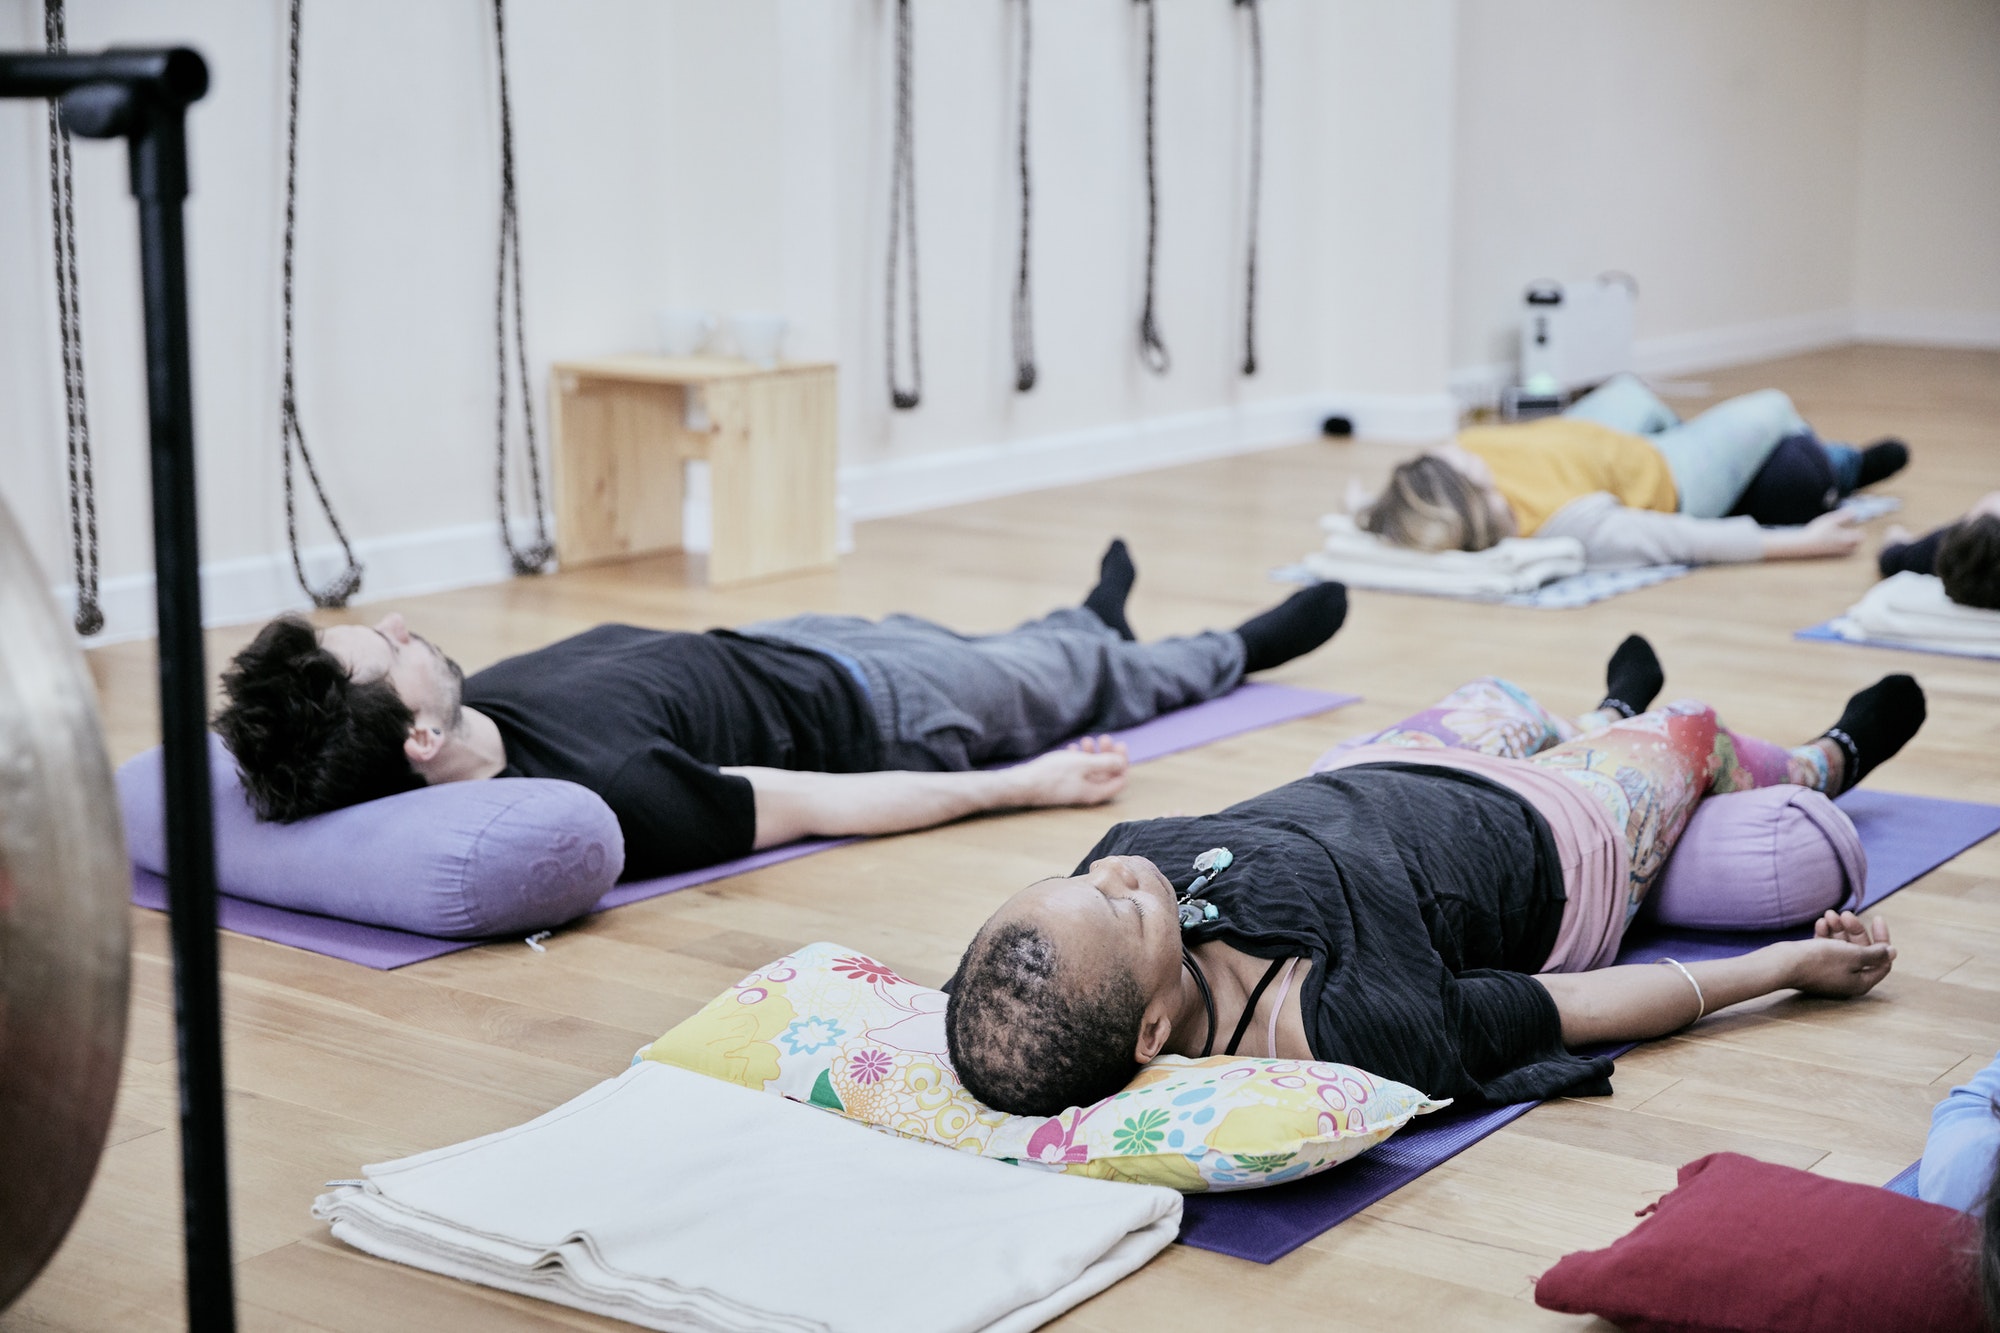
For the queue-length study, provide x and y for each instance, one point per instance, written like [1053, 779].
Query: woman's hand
[1834, 533]
[1845, 957]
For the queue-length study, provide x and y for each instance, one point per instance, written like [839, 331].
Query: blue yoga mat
[1906, 837]
[1825, 633]
[1905, 1181]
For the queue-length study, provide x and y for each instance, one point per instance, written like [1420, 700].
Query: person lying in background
[709, 746]
[1439, 904]
[1958, 1169]
[1623, 475]
[1964, 555]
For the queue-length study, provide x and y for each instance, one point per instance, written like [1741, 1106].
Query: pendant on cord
[1199, 911]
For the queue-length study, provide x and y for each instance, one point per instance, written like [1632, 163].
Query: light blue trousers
[1712, 457]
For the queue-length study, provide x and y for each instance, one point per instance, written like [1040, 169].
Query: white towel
[1911, 610]
[1517, 565]
[677, 1201]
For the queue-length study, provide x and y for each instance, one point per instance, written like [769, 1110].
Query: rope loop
[341, 589]
[82, 476]
[1024, 316]
[1256, 35]
[533, 558]
[903, 223]
[1152, 348]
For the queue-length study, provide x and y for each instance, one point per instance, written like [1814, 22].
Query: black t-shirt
[1423, 897]
[1917, 557]
[647, 718]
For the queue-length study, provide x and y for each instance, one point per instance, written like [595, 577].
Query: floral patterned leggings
[1647, 772]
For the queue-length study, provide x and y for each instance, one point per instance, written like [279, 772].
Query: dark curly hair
[1023, 1042]
[1968, 563]
[306, 737]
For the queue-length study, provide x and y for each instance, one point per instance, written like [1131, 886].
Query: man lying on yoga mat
[1964, 555]
[1635, 485]
[1438, 904]
[709, 746]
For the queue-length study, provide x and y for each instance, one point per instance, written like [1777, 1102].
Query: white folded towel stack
[1910, 610]
[1517, 565]
[677, 1201]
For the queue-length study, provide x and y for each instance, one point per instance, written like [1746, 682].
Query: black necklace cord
[1255, 16]
[1152, 351]
[89, 618]
[291, 436]
[903, 223]
[1207, 999]
[536, 557]
[1024, 317]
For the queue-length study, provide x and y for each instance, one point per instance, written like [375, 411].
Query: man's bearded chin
[457, 694]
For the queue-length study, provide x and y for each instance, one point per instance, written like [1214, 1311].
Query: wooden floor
[332, 1065]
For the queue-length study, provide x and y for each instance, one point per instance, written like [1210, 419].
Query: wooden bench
[623, 428]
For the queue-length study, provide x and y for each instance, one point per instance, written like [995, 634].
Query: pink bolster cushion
[1761, 860]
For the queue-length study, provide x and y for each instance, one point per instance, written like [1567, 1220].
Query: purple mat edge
[1905, 1181]
[1264, 1226]
[1250, 707]
[1824, 633]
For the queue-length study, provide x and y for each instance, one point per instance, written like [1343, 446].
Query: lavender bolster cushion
[1761, 860]
[460, 860]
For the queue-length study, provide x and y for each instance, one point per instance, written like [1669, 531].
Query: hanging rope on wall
[89, 617]
[1152, 351]
[537, 556]
[903, 222]
[1256, 182]
[291, 437]
[1024, 314]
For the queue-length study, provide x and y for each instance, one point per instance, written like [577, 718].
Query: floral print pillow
[838, 1030]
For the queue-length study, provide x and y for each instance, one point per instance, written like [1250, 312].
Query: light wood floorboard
[332, 1065]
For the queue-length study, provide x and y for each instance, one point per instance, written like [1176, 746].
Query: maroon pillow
[1750, 1247]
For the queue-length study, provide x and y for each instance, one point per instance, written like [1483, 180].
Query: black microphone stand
[142, 96]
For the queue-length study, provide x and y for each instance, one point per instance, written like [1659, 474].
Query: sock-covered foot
[1877, 722]
[1294, 627]
[1882, 460]
[1115, 575]
[1632, 678]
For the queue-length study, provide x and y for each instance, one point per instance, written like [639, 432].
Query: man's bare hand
[1089, 772]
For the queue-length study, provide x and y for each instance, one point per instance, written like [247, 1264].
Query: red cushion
[1754, 1248]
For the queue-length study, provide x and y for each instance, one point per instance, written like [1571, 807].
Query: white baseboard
[1930, 328]
[1683, 353]
[234, 592]
[1734, 344]
[984, 472]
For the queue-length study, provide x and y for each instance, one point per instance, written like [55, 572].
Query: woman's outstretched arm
[1845, 957]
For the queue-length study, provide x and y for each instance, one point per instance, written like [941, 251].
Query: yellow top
[1540, 466]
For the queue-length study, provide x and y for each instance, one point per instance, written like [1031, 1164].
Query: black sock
[1632, 678]
[1881, 460]
[1876, 723]
[1294, 627]
[1115, 576]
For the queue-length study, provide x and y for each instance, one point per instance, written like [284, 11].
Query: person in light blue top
[1957, 1169]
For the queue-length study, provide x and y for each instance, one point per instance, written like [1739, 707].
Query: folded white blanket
[678, 1201]
[1912, 610]
[1518, 564]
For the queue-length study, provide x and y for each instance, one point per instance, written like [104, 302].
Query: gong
[64, 929]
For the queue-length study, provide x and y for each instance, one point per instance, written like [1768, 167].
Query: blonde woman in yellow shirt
[1622, 474]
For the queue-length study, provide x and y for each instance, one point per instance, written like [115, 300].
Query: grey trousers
[947, 701]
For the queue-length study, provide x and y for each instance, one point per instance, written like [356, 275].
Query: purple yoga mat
[1906, 837]
[1905, 1181]
[1247, 708]
[1824, 633]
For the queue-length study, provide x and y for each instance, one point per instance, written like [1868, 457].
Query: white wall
[730, 154]
[1928, 266]
[1708, 147]
[1764, 167]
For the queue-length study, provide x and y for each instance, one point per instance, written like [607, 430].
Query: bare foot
[1897, 535]
[1845, 957]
